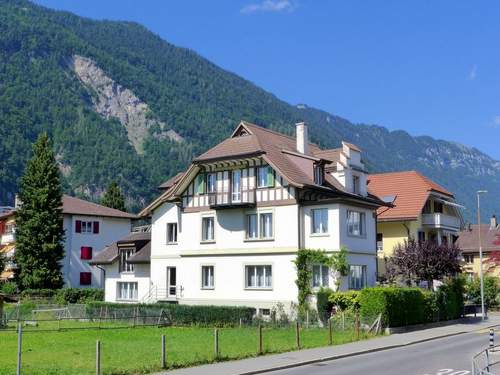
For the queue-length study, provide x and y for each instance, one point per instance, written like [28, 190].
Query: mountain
[121, 103]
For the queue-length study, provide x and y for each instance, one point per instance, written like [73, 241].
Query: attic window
[242, 132]
[318, 174]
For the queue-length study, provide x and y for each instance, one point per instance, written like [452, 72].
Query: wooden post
[330, 332]
[260, 339]
[240, 323]
[19, 347]
[163, 353]
[98, 357]
[297, 334]
[216, 343]
[307, 319]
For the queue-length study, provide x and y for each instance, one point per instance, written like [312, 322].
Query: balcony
[7, 238]
[438, 220]
[241, 199]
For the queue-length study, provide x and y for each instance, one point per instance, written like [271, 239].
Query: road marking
[450, 371]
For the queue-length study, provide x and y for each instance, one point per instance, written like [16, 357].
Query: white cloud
[473, 73]
[269, 6]
[496, 122]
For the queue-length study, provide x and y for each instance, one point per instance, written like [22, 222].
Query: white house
[227, 230]
[88, 227]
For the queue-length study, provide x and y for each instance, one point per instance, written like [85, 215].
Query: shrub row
[64, 296]
[178, 314]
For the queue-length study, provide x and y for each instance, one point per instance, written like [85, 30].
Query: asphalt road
[447, 356]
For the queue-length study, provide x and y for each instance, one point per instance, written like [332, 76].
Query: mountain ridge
[193, 97]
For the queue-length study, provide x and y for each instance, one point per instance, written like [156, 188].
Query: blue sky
[428, 67]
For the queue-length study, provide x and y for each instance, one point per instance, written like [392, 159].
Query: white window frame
[364, 278]
[324, 272]
[263, 172]
[253, 268]
[361, 224]
[236, 194]
[254, 215]
[131, 289]
[211, 183]
[207, 286]
[259, 215]
[173, 240]
[323, 228]
[123, 265]
[86, 227]
[356, 184]
[319, 174]
[207, 240]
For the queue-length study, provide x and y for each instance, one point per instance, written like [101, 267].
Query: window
[85, 278]
[421, 236]
[266, 225]
[127, 291]
[318, 174]
[265, 177]
[207, 229]
[236, 186]
[469, 258]
[10, 228]
[199, 184]
[357, 277]
[86, 227]
[211, 182]
[380, 242]
[85, 253]
[319, 220]
[320, 275]
[355, 223]
[355, 184]
[258, 277]
[171, 233]
[252, 232]
[265, 312]
[207, 277]
[427, 207]
[124, 255]
[438, 207]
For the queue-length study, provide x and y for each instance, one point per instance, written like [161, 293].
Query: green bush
[450, 299]
[34, 294]
[78, 295]
[345, 300]
[491, 290]
[8, 288]
[323, 304]
[203, 315]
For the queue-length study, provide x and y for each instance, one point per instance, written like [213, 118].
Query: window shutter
[2, 227]
[96, 227]
[270, 176]
[200, 183]
[85, 278]
[78, 226]
[86, 253]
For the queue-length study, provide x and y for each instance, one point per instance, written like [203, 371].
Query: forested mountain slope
[154, 106]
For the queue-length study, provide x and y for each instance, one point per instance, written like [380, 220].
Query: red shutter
[85, 278]
[86, 253]
[96, 227]
[2, 227]
[78, 226]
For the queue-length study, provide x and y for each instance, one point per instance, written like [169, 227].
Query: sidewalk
[281, 361]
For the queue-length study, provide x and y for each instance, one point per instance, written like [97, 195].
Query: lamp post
[479, 192]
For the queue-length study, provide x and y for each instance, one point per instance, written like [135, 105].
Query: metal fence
[485, 362]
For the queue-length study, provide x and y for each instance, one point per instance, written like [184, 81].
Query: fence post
[98, 357]
[297, 334]
[163, 353]
[492, 338]
[260, 339]
[19, 346]
[216, 343]
[307, 319]
[330, 332]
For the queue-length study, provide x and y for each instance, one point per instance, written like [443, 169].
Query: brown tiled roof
[141, 256]
[352, 146]
[75, 206]
[411, 190]
[7, 214]
[468, 240]
[171, 181]
[110, 253]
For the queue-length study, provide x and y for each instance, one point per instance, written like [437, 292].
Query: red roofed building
[422, 210]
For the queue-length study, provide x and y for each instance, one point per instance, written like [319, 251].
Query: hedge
[64, 296]
[204, 315]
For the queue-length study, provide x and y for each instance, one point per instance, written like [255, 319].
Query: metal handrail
[477, 369]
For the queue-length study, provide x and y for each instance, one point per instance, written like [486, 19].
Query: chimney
[302, 138]
[493, 222]
[17, 202]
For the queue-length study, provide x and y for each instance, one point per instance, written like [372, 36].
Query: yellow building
[422, 210]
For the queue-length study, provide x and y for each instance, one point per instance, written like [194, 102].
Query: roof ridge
[292, 138]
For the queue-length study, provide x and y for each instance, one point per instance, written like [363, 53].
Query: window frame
[319, 174]
[380, 242]
[88, 225]
[364, 276]
[203, 219]
[134, 293]
[313, 222]
[356, 184]
[123, 255]
[169, 242]
[247, 285]
[268, 184]
[362, 224]
[208, 183]
[323, 271]
[258, 215]
[208, 287]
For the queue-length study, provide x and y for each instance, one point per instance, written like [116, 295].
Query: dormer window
[318, 174]
[355, 184]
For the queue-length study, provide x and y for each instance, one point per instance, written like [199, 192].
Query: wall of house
[110, 230]
[141, 275]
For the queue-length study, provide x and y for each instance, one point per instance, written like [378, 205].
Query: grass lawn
[138, 350]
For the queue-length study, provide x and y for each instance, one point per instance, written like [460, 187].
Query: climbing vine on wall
[336, 262]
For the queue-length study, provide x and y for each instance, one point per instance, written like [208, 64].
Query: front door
[171, 282]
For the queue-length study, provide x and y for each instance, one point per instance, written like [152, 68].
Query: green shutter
[270, 176]
[200, 184]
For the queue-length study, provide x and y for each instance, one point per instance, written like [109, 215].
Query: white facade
[110, 230]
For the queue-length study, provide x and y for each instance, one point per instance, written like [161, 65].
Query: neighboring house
[227, 230]
[468, 241]
[422, 210]
[7, 242]
[89, 227]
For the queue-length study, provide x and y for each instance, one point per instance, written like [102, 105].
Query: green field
[138, 350]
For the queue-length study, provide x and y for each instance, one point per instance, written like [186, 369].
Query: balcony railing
[244, 198]
[439, 220]
[7, 238]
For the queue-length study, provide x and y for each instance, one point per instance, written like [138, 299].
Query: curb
[368, 351]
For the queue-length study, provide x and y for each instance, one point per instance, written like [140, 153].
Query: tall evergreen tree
[39, 221]
[114, 197]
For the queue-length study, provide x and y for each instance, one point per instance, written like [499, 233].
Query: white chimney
[302, 138]
[493, 222]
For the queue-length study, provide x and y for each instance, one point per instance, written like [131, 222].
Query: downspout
[376, 249]
[104, 279]
[299, 223]
[407, 229]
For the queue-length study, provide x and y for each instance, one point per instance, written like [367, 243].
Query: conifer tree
[114, 197]
[39, 221]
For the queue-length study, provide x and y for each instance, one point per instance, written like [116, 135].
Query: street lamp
[479, 192]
